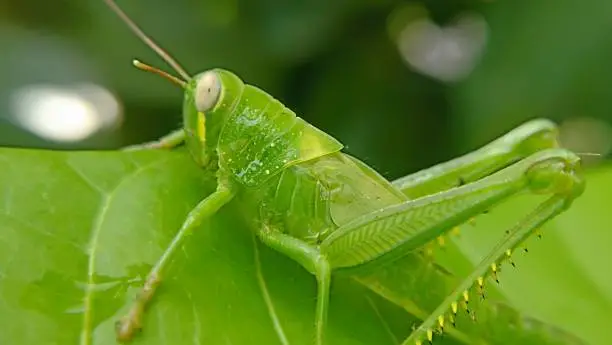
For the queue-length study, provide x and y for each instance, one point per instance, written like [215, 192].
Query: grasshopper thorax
[245, 131]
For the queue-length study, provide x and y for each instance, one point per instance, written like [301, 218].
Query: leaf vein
[197, 331]
[382, 320]
[86, 336]
[86, 180]
[266, 296]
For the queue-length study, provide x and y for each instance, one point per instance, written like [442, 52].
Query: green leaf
[79, 230]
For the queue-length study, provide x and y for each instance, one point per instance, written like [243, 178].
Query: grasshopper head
[209, 99]
[209, 96]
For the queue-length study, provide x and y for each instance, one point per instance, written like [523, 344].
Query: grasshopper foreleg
[132, 322]
[169, 141]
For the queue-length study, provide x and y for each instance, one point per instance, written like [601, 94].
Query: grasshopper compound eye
[207, 91]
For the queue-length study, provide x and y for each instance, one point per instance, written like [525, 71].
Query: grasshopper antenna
[149, 68]
[589, 154]
[149, 42]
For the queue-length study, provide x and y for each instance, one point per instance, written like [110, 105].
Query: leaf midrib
[107, 199]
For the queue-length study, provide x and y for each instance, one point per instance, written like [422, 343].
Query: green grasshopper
[332, 213]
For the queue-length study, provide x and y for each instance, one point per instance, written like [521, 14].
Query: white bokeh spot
[64, 114]
[446, 53]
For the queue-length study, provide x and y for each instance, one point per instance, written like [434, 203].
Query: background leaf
[81, 229]
[564, 277]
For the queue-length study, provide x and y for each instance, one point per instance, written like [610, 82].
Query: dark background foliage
[402, 84]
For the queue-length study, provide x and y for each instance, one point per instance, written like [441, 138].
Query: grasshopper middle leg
[311, 259]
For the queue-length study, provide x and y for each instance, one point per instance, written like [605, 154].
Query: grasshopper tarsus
[129, 326]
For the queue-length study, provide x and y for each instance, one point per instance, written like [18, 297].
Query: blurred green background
[403, 84]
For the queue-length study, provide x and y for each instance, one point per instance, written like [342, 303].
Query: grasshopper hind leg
[487, 266]
[519, 143]
[386, 235]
